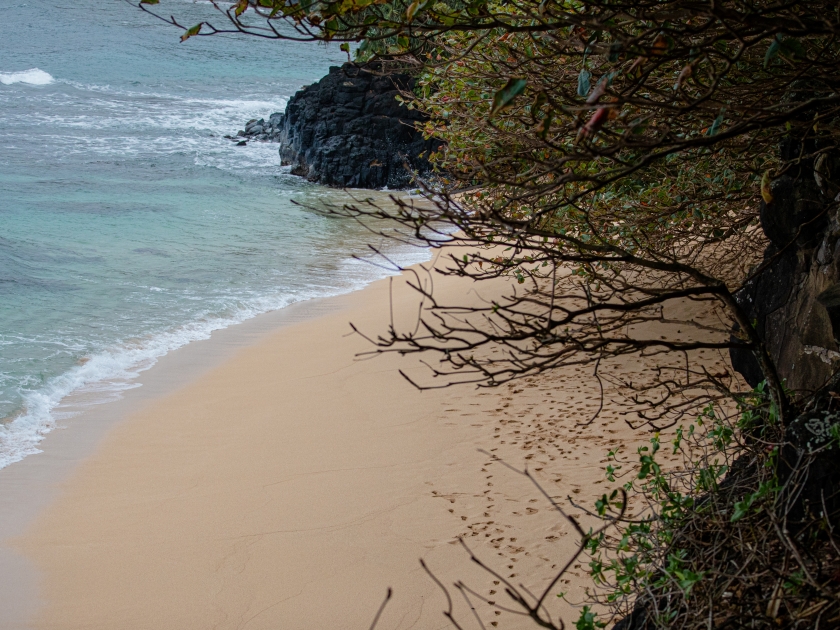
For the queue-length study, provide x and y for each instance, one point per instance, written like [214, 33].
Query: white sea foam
[175, 114]
[104, 376]
[161, 124]
[33, 76]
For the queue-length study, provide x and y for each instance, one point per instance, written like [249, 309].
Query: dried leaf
[765, 188]
[660, 45]
[411, 10]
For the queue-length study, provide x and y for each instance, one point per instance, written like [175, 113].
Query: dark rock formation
[267, 131]
[763, 299]
[794, 301]
[811, 437]
[348, 130]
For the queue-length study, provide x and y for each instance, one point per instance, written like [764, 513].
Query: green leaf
[411, 10]
[588, 620]
[716, 124]
[192, 32]
[504, 97]
[584, 79]
[330, 28]
[345, 47]
[240, 8]
[773, 50]
[149, 1]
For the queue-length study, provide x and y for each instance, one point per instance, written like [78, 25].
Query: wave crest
[33, 76]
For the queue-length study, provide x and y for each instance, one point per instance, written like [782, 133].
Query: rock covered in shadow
[794, 298]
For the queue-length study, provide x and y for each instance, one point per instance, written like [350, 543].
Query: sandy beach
[272, 478]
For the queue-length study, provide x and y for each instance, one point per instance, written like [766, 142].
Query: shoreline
[33, 488]
[270, 477]
[28, 485]
[105, 375]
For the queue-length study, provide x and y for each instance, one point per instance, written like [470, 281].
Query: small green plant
[680, 540]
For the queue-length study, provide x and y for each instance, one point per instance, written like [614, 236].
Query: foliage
[716, 540]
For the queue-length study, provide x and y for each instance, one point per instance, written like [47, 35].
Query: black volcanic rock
[348, 130]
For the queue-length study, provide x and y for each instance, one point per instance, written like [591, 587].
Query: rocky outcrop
[794, 301]
[348, 130]
[266, 131]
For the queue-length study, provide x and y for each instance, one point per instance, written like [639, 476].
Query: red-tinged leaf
[600, 88]
[192, 32]
[600, 116]
[660, 45]
[635, 69]
[504, 97]
[685, 74]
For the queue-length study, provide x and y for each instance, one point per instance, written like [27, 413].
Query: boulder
[794, 299]
[348, 130]
[260, 129]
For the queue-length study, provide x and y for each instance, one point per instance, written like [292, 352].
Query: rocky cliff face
[795, 300]
[348, 130]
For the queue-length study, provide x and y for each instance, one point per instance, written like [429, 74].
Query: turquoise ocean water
[128, 225]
